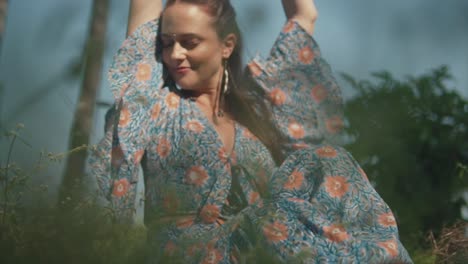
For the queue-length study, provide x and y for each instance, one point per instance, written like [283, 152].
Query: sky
[44, 38]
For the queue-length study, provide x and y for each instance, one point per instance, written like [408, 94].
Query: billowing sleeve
[135, 78]
[306, 100]
[326, 211]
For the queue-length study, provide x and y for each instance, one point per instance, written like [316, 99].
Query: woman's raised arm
[303, 11]
[142, 11]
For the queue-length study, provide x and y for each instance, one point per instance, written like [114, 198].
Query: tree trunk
[3, 16]
[72, 183]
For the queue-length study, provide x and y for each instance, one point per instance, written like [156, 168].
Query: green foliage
[423, 257]
[34, 230]
[410, 137]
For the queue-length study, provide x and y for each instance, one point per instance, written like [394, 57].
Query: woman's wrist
[302, 11]
[142, 11]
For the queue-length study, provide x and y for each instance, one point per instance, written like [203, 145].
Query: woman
[186, 114]
[176, 125]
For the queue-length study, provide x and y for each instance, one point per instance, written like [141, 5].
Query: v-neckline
[218, 136]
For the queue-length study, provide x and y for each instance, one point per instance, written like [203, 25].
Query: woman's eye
[167, 43]
[190, 43]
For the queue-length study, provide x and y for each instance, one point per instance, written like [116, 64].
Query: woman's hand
[142, 11]
[302, 11]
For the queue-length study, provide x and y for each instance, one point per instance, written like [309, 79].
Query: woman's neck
[207, 100]
[209, 103]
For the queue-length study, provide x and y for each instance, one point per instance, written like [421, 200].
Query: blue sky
[357, 37]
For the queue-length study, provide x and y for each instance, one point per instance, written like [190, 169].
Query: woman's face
[192, 51]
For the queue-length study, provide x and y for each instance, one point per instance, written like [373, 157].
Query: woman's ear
[229, 43]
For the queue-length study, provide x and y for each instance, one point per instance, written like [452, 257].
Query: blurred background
[44, 57]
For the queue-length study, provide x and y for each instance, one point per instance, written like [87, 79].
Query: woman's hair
[246, 100]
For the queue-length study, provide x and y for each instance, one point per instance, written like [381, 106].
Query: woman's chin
[183, 86]
[180, 81]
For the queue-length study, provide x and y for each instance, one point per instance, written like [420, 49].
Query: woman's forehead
[184, 18]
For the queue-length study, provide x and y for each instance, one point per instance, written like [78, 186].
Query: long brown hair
[246, 100]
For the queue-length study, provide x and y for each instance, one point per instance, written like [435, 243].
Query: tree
[3, 16]
[411, 138]
[82, 122]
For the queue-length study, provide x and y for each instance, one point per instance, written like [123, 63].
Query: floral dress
[321, 209]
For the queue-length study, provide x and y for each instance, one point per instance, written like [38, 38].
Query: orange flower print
[185, 222]
[172, 100]
[120, 187]
[253, 197]
[277, 96]
[213, 256]
[194, 249]
[306, 55]
[125, 117]
[195, 126]
[288, 27]
[171, 202]
[335, 124]
[163, 148]
[138, 156]
[275, 232]
[387, 220]
[209, 213]
[336, 186]
[155, 111]
[326, 152]
[296, 130]
[390, 246]
[170, 248]
[197, 176]
[117, 157]
[335, 233]
[254, 68]
[294, 180]
[143, 72]
[319, 93]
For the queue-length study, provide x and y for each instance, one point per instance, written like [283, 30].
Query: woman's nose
[178, 52]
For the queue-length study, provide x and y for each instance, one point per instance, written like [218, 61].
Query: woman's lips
[182, 70]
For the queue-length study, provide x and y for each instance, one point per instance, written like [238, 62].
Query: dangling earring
[224, 90]
[226, 78]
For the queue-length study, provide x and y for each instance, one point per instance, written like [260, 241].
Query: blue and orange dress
[321, 207]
